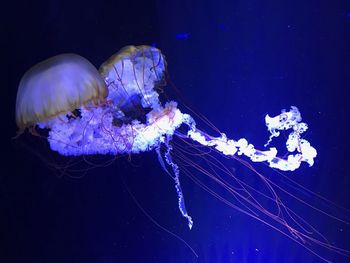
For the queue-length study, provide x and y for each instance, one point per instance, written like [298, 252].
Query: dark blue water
[234, 62]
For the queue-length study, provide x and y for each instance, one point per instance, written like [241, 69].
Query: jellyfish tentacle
[286, 120]
[176, 171]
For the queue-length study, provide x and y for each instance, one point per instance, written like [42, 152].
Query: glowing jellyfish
[118, 111]
[46, 90]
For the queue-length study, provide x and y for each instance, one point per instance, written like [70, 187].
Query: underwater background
[233, 62]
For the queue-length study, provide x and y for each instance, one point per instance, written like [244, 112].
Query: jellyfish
[117, 110]
[37, 96]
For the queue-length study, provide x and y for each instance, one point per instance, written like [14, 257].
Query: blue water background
[232, 61]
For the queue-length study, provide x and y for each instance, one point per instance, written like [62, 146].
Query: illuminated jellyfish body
[117, 111]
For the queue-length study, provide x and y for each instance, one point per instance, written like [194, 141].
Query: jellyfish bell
[135, 120]
[56, 86]
[135, 73]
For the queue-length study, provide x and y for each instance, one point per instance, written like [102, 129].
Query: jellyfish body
[135, 71]
[132, 119]
[56, 86]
